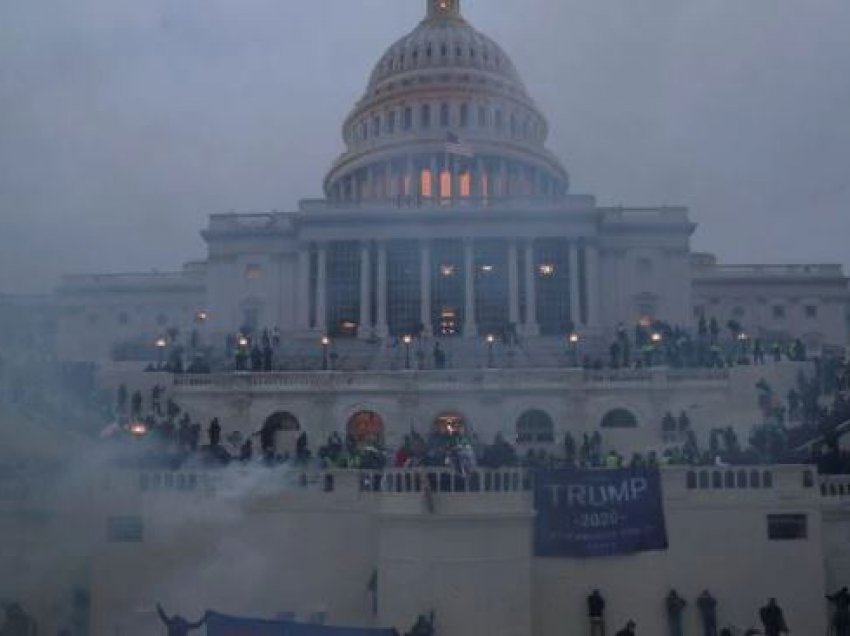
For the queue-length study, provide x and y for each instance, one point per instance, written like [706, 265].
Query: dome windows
[464, 115]
[407, 120]
[425, 116]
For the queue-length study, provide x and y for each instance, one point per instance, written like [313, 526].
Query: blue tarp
[222, 625]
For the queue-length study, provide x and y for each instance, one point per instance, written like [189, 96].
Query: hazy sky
[124, 123]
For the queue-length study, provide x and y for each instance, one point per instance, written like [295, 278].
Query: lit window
[425, 183]
[447, 271]
[446, 184]
[253, 272]
[546, 269]
[465, 185]
[487, 269]
[787, 527]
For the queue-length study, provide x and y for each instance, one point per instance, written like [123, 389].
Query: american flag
[454, 146]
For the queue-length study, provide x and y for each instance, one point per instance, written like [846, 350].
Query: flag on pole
[454, 146]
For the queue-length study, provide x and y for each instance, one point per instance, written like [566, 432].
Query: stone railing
[682, 480]
[758, 271]
[447, 481]
[835, 486]
[496, 378]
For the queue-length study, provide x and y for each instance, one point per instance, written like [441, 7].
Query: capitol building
[450, 279]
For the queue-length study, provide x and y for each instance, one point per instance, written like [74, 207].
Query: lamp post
[407, 339]
[491, 342]
[161, 343]
[573, 339]
[326, 343]
[742, 344]
[656, 339]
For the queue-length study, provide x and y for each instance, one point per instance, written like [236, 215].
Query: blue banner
[595, 513]
[222, 625]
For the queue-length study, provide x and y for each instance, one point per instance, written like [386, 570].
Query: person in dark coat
[773, 619]
[841, 617]
[707, 606]
[18, 622]
[628, 630]
[596, 613]
[214, 433]
[675, 607]
[177, 625]
[424, 626]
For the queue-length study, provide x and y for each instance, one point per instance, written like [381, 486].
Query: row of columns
[587, 316]
[404, 180]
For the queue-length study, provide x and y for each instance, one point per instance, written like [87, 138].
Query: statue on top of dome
[443, 8]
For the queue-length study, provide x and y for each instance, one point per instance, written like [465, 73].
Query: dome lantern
[441, 9]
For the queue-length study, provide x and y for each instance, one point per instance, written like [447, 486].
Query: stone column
[531, 327]
[303, 313]
[575, 287]
[365, 327]
[381, 328]
[435, 178]
[591, 266]
[322, 288]
[470, 327]
[425, 287]
[513, 284]
[414, 180]
[505, 188]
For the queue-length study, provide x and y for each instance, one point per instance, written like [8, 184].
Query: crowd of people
[771, 616]
[647, 344]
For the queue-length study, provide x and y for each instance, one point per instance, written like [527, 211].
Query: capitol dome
[445, 117]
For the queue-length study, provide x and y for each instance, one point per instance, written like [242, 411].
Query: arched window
[619, 418]
[535, 426]
[367, 428]
[282, 421]
[425, 116]
[444, 115]
[407, 122]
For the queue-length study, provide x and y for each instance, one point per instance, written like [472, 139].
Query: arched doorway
[278, 433]
[367, 428]
[535, 427]
[619, 418]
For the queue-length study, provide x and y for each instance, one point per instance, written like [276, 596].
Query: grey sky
[123, 124]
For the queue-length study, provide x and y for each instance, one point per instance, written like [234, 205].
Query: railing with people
[484, 481]
[342, 380]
